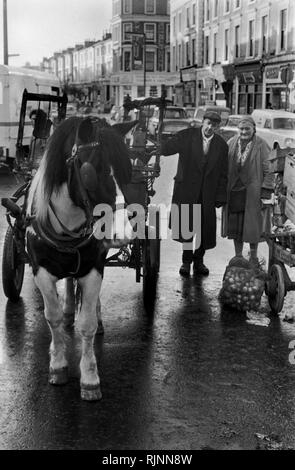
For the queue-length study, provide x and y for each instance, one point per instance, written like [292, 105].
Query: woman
[249, 181]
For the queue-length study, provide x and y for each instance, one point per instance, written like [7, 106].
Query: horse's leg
[86, 325]
[100, 328]
[58, 370]
[69, 302]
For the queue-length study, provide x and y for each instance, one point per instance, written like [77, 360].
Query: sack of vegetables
[242, 285]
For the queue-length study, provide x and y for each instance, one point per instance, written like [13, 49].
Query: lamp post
[143, 54]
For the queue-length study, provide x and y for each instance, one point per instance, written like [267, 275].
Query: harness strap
[84, 230]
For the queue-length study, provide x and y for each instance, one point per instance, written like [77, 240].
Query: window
[127, 27]
[179, 56]
[194, 13]
[127, 61]
[168, 68]
[237, 41]
[283, 31]
[150, 61]
[215, 8]
[174, 25]
[168, 33]
[237, 3]
[188, 62]
[126, 6]
[150, 7]
[207, 11]
[187, 18]
[206, 51]
[251, 38]
[150, 31]
[264, 33]
[179, 21]
[215, 48]
[193, 51]
[226, 6]
[267, 124]
[226, 44]
[153, 90]
[116, 7]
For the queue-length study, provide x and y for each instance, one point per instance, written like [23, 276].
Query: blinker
[88, 176]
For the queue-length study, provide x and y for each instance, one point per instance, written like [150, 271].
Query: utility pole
[5, 34]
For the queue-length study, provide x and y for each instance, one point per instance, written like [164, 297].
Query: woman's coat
[199, 179]
[254, 179]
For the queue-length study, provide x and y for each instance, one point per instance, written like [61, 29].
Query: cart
[281, 243]
[143, 255]
[24, 167]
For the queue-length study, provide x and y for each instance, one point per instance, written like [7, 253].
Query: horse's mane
[52, 172]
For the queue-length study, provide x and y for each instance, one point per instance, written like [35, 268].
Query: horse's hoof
[91, 392]
[100, 328]
[58, 376]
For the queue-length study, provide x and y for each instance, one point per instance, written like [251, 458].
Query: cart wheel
[276, 288]
[151, 265]
[13, 268]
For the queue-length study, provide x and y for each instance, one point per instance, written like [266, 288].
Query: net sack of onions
[242, 285]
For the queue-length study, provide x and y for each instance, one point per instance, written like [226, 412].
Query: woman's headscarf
[248, 120]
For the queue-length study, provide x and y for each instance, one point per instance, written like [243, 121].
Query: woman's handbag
[237, 200]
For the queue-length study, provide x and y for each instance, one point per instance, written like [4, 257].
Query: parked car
[275, 126]
[175, 119]
[190, 111]
[201, 110]
[231, 127]
[115, 109]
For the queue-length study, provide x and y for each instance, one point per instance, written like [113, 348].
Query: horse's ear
[85, 130]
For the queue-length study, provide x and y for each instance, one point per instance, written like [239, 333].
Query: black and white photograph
[147, 228]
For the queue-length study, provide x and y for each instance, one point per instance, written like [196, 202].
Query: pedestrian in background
[249, 181]
[201, 179]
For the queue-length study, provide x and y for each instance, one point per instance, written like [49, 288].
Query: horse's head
[89, 155]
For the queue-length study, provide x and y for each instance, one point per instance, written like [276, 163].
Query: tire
[276, 290]
[151, 265]
[13, 268]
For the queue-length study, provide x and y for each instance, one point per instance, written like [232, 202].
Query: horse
[85, 164]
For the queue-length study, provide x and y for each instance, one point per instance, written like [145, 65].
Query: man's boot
[185, 269]
[200, 268]
[187, 257]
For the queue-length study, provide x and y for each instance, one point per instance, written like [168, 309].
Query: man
[201, 179]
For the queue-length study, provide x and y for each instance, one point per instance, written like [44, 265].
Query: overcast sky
[38, 28]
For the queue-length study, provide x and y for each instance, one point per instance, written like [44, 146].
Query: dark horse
[85, 164]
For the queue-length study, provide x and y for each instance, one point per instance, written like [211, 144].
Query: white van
[277, 127]
[13, 81]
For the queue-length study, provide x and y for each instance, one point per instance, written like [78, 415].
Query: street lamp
[143, 53]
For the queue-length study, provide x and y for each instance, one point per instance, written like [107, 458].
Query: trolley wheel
[276, 288]
[151, 266]
[13, 268]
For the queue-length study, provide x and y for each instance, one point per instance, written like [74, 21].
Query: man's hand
[266, 193]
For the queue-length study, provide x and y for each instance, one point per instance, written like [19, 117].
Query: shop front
[248, 87]
[279, 86]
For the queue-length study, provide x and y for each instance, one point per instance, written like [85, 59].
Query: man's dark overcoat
[200, 178]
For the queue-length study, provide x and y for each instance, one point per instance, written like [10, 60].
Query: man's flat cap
[213, 116]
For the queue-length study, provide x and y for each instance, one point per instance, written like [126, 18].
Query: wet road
[190, 376]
